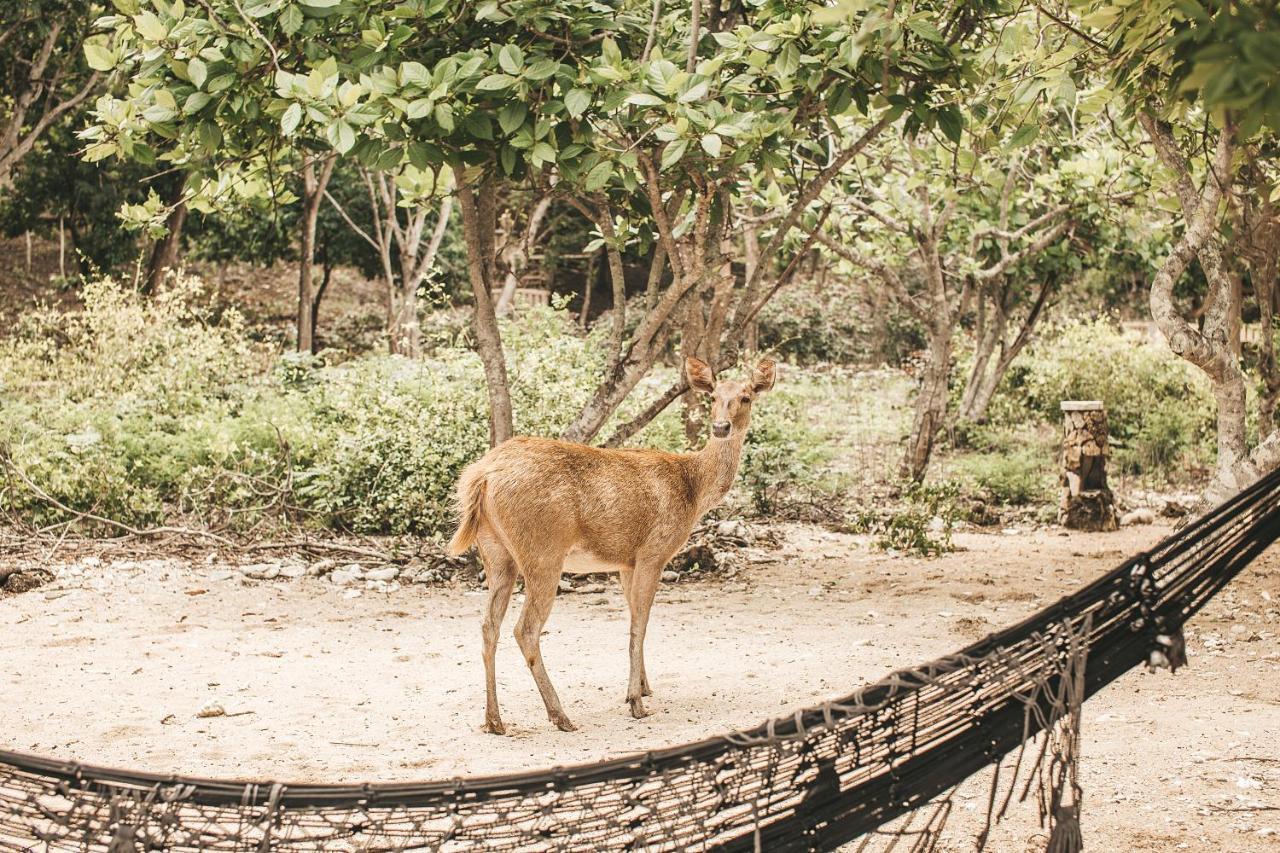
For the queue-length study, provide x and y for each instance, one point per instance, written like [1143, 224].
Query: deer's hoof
[563, 724]
[638, 710]
[495, 727]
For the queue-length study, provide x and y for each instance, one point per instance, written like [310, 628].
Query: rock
[1173, 509]
[321, 567]
[670, 577]
[261, 571]
[220, 575]
[293, 570]
[1141, 515]
[386, 573]
[346, 575]
[936, 524]
[565, 586]
[213, 709]
[592, 588]
[428, 576]
[732, 529]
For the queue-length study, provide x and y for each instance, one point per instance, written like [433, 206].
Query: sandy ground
[111, 663]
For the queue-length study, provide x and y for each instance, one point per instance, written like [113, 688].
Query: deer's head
[731, 399]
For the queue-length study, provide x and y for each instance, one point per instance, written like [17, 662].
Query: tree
[406, 251]
[43, 76]
[778, 89]
[1201, 81]
[966, 233]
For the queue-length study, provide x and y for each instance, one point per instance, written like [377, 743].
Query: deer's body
[539, 507]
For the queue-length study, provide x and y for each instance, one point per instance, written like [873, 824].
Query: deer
[539, 507]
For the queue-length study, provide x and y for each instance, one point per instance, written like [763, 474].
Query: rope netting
[814, 780]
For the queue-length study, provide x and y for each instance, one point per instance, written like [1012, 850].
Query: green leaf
[644, 99]
[577, 101]
[198, 72]
[544, 152]
[951, 122]
[542, 69]
[508, 159]
[151, 27]
[99, 56]
[511, 117]
[599, 176]
[321, 4]
[511, 58]
[494, 82]
[444, 116]
[1024, 135]
[925, 30]
[341, 136]
[291, 119]
[673, 152]
[420, 108]
[195, 103]
[291, 20]
[710, 144]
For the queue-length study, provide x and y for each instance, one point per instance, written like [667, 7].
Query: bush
[1160, 410]
[1014, 477]
[140, 410]
[922, 525]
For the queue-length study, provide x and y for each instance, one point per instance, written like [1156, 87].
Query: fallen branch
[140, 532]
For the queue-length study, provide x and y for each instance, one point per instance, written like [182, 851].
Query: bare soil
[112, 662]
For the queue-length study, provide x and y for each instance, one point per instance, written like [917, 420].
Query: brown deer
[540, 507]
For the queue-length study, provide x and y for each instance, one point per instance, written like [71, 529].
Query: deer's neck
[717, 465]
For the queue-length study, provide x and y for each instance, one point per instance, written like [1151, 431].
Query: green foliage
[781, 454]
[922, 524]
[1160, 411]
[143, 410]
[1017, 475]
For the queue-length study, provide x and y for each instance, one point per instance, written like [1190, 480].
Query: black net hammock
[851, 770]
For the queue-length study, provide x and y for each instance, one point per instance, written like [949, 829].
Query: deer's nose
[720, 429]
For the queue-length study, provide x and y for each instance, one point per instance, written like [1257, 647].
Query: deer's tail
[471, 487]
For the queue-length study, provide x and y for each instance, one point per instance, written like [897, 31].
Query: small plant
[922, 525]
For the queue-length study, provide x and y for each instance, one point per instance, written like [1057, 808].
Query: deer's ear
[699, 373]
[763, 375]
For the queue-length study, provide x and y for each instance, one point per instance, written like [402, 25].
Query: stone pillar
[1087, 502]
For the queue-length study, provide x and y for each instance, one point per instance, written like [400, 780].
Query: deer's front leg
[644, 585]
[624, 577]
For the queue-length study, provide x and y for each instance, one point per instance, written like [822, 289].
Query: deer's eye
[746, 400]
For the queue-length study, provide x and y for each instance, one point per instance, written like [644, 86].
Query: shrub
[921, 525]
[140, 410]
[1015, 476]
[1160, 410]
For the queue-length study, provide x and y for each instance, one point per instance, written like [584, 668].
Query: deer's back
[554, 494]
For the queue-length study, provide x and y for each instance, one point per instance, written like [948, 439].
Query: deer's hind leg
[500, 575]
[541, 580]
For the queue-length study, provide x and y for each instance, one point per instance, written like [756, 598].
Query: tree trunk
[314, 183]
[478, 221]
[164, 254]
[325, 278]
[931, 404]
[403, 329]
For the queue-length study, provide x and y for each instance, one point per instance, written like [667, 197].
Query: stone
[1141, 515]
[261, 571]
[213, 709]
[732, 529]
[386, 573]
[346, 575]
[565, 585]
[670, 577]
[293, 570]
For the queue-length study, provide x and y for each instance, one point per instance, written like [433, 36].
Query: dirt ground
[113, 661]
